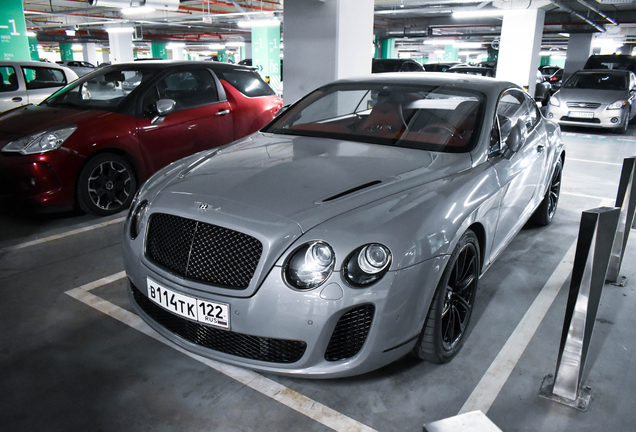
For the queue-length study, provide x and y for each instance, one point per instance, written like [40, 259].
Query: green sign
[66, 51]
[388, 49]
[451, 53]
[14, 43]
[222, 55]
[159, 50]
[33, 48]
[266, 54]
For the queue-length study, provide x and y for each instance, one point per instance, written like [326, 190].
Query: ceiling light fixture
[70, 33]
[469, 45]
[120, 29]
[440, 41]
[137, 10]
[234, 44]
[259, 23]
[216, 46]
[31, 33]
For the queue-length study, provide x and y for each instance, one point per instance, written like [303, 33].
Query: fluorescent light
[565, 34]
[77, 47]
[234, 44]
[467, 45]
[468, 53]
[70, 33]
[173, 45]
[216, 46]
[31, 33]
[120, 29]
[259, 23]
[439, 52]
[137, 10]
[478, 13]
[440, 41]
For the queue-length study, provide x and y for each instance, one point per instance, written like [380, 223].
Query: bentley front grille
[202, 252]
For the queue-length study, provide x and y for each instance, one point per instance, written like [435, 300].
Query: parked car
[548, 70]
[335, 241]
[473, 70]
[442, 66]
[92, 145]
[612, 62]
[555, 81]
[30, 82]
[81, 68]
[395, 65]
[542, 89]
[596, 98]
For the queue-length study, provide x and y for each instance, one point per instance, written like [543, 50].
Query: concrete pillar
[520, 46]
[121, 47]
[158, 50]
[105, 55]
[324, 43]
[33, 48]
[15, 43]
[248, 50]
[451, 53]
[66, 51]
[388, 49]
[178, 52]
[90, 53]
[579, 50]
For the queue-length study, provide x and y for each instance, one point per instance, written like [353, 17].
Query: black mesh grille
[241, 345]
[592, 105]
[202, 252]
[350, 333]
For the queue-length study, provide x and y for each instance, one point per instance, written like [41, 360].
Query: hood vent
[350, 191]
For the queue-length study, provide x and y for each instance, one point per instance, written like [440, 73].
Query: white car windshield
[414, 116]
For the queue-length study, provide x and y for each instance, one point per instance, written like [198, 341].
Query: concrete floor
[74, 358]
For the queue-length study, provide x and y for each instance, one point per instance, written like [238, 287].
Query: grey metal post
[596, 236]
[626, 201]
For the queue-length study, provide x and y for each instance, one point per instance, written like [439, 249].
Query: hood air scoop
[349, 191]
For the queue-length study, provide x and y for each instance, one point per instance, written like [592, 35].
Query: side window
[534, 115]
[247, 82]
[188, 89]
[8, 79]
[512, 107]
[42, 77]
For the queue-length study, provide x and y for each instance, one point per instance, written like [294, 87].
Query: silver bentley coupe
[350, 231]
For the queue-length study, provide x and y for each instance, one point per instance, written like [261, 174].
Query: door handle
[227, 111]
[540, 148]
[17, 99]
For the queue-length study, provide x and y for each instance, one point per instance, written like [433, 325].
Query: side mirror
[163, 107]
[282, 110]
[516, 139]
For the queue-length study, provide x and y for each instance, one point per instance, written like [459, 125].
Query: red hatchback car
[95, 141]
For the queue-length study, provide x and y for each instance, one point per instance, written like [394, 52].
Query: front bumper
[599, 117]
[276, 315]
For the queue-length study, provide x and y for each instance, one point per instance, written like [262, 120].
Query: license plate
[581, 114]
[214, 314]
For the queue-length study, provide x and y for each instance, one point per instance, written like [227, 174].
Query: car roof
[176, 63]
[614, 71]
[31, 63]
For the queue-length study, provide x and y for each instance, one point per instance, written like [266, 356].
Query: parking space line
[267, 387]
[62, 235]
[488, 388]
[589, 196]
[596, 162]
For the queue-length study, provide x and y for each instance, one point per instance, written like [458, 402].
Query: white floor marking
[588, 196]
[488, 388]
[62, 235]
[596, 162]
[286, 396]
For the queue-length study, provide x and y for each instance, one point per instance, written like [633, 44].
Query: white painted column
[121, 47]
[177, 52]
[325, 41]
[90, 53]
[520, 46]
[105, 55]
[579, 50]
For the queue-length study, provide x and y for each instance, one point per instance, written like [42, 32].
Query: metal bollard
[626, 201]
[594, 245]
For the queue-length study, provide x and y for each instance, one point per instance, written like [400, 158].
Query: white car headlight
[554, 101]
[367, 264]
[616, 105]
[40, 142]
[309, 265]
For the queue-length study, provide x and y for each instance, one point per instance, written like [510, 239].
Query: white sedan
[30, 82]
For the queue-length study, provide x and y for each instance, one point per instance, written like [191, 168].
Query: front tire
[622, 130]
[446, 324]
[106, 185]
[544, 214]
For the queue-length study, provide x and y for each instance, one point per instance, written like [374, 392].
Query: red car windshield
[422, 117]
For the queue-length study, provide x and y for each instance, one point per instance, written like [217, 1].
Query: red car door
[199, 121]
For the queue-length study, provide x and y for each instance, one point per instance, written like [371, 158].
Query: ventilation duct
[167, 5]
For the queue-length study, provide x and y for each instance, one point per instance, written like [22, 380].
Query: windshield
[414, 116]
[102, 90]
[598, 81]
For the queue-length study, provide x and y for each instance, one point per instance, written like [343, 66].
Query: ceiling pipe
[592, 8]
[575, 13]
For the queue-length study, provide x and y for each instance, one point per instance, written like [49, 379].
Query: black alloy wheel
[106, 185]
[446, 325]
[544, 214]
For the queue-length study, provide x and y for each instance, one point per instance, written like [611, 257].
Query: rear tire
[446, 324]
[106, 185]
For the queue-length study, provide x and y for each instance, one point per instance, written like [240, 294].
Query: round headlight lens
[309, 265]
[367, 264]
[137, 219]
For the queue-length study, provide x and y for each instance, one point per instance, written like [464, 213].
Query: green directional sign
[266, 54]
[33, 48]
[14, 43]
[159, 50]
[66, 51]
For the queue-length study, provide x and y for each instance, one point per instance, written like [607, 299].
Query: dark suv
[612, 61]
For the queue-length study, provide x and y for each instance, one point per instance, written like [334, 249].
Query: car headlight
[616, 105]
[367, 264]
[554, 101]
[40, 142]
[137, 219]
[309, 265]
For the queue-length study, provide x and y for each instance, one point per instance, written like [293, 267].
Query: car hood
[276, 187]
[31, 118]
[588, 95]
